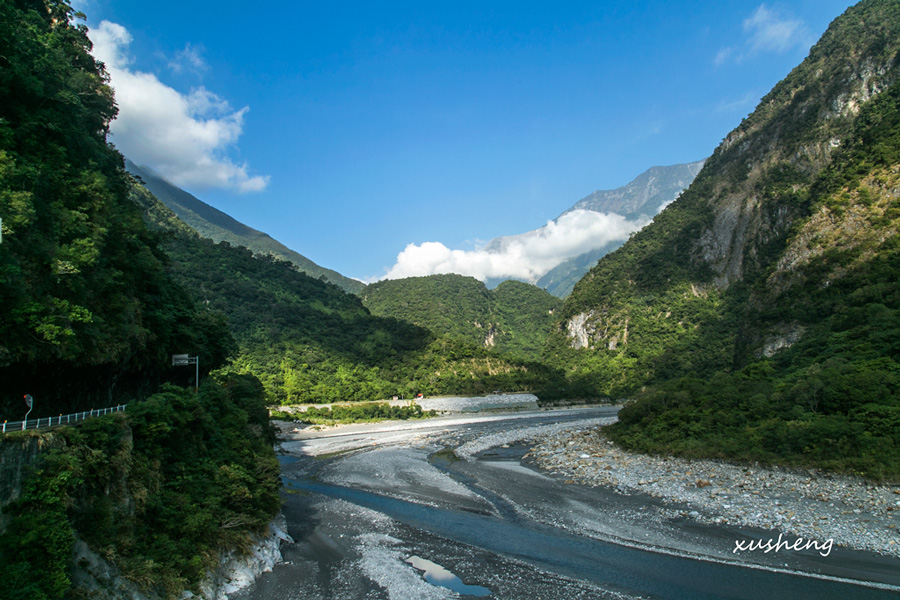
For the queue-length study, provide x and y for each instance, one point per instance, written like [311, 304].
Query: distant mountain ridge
[214, 224]
[646, 194]
[638, 201]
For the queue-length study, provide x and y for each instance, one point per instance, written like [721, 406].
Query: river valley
[459, 506]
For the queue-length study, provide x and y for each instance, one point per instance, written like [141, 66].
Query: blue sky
[350, 130]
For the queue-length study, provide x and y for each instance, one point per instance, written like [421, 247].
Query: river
[389, 511]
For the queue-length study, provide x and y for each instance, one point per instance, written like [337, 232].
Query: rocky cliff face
[21, 454]
[789, 139]
[101, 580]
[754, 220]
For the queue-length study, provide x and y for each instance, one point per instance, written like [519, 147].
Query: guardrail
[10, 426]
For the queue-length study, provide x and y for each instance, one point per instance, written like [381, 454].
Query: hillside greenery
[87, 306]
[90, 316]
[514, 318]
[309, 341]
[158, 490]
[356, 412]
[780, 347]
[220, 227]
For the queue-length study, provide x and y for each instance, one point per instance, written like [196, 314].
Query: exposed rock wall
[91, 574]
[19, 455]
[95, 576]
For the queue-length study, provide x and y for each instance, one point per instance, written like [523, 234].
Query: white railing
[10, 426]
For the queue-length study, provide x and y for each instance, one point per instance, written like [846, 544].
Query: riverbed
[503, 506]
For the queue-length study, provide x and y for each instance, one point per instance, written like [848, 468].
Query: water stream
[627, 569]
[435, 574]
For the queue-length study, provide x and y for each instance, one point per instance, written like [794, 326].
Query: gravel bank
[526, 434]
[806, 503]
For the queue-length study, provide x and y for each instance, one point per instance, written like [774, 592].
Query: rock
[236, 570]
[701, 483]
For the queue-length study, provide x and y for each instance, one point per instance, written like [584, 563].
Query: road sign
[29, 402]
[182, 360]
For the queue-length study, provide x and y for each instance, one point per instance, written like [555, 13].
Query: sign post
[29, 401]
[183, 360]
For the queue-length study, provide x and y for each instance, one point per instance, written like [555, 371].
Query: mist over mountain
[589, 229]
[645, 196]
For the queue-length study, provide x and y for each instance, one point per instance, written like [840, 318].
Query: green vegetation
[772, 337]
[87, 305]
[159, 490]
[90, 317]
[356, 412]
[217, 226]
[514, 318]
[309, 341]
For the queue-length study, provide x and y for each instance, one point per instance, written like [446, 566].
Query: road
[368, 504]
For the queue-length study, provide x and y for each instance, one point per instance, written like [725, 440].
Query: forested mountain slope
[309, 341]
[89, 316]
[513, 318]
[218, 226]
[763, 307]
[88, 311]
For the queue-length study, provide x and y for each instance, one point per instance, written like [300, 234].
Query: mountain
[152, 499]
[86, 307]
[309, 341]
[218, 226]
[638, 201]
[758, 316]
[561, 279]
[514, 318]
[646, 195]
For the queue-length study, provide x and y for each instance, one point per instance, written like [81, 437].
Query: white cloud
[723, 55]
[527, 256]
[181, 137]
[188, 59]
[767, 31]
